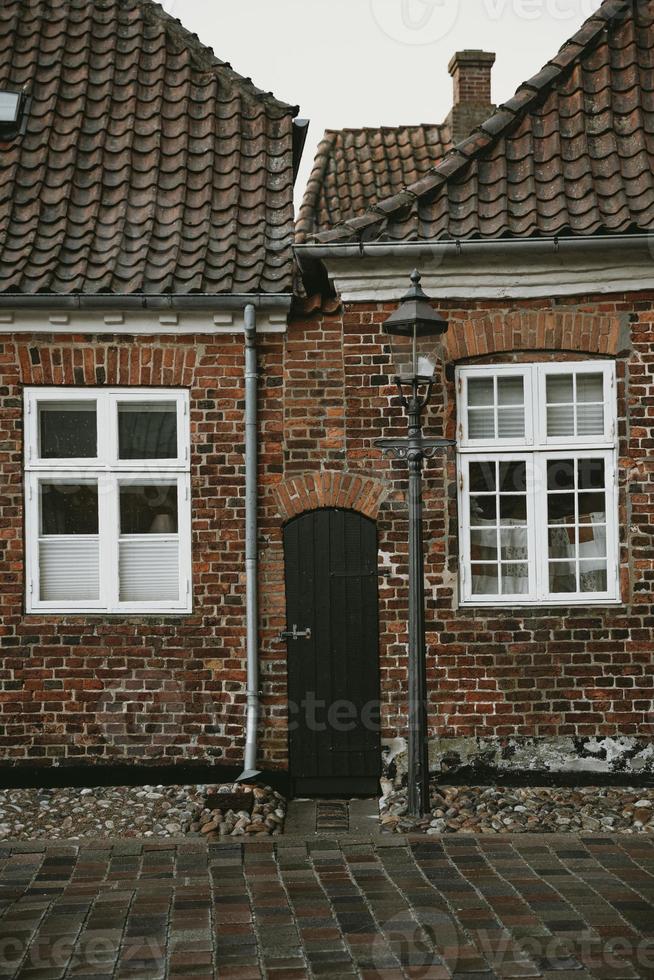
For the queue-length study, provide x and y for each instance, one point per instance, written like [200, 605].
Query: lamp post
[416, 332]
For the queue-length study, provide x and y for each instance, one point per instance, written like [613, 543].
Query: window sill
[543, 604]
[113, 613]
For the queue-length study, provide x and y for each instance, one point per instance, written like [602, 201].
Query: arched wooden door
[333, 652]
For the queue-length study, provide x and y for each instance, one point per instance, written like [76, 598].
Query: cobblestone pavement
[556, 907]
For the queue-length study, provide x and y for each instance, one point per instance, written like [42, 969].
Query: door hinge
[188, 586]
[461, 481]
[459, 385]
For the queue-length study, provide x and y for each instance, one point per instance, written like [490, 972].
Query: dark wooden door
[331, 590]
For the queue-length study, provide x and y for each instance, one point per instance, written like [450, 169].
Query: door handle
[295, 634]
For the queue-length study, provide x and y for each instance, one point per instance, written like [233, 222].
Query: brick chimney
[471, 72]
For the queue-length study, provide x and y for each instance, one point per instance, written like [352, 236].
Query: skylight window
[12, 106]
[9, 107]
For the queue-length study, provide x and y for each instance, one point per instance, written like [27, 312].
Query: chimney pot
[471, 71]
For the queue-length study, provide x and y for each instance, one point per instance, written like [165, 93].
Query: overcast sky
[377, 62]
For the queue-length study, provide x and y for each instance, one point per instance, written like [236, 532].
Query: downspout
[250, 770]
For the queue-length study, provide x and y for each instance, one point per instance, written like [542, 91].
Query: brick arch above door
[310, 491]
[536, 330]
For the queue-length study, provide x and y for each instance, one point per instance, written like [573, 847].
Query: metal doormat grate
[332, 815]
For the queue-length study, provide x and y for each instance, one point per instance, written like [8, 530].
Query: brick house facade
[510, 686]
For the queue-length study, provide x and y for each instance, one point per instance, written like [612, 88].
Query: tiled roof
[572, 153]
[148, 165]
[356, 168]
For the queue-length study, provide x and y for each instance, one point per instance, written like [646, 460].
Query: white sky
[376, 62]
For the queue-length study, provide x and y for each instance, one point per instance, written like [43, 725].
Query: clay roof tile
[137, 139]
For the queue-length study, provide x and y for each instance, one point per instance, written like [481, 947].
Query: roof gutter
[470, 247]
[113, 301]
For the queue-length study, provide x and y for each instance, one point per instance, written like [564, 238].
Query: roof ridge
[377, 129]
[490, 131]
[205, 52]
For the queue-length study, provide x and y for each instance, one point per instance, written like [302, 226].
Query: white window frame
[109, 472]
[537, 449]
[464, 505]
[607, 369]
[504, 371]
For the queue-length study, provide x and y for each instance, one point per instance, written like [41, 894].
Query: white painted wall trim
[173, 322]
[514, 274]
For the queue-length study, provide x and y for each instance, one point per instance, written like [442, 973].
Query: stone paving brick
[450, 909]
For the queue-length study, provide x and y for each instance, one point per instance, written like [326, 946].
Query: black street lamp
[416, 332]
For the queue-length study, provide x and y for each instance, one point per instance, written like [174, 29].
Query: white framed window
[537, 470]
[107, 509]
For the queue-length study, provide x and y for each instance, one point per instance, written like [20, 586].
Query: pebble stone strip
[135, 812]
[561, 907]
[498, 810]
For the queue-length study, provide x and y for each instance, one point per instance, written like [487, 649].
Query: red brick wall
[170, 689]
[501, 672]
[85, 688]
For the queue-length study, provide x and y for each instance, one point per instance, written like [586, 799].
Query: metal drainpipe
[250, 770]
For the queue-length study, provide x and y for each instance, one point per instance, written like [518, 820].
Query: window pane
[593, 576]
[559, 389]
[510, 391]
[592, 474]
[513, 477]
[592, 508]
[149, 570]
[590, 388]
[68, 430]
[592, 541]
[482, 510]
[69, 508]
[147, 430]
[590, 420]
[561, 508]
[562, 542]
[560, 421]
[515, 579]
[563, 577]
[481, 424]
[514, 544]
[481, 391]
[513, 510]
[485, 580]
[69, 569]
[561, 474]
[148, 508]
[483, 477]
[511, 423]
[483, 545]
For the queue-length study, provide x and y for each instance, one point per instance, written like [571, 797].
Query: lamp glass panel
[414, 357]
